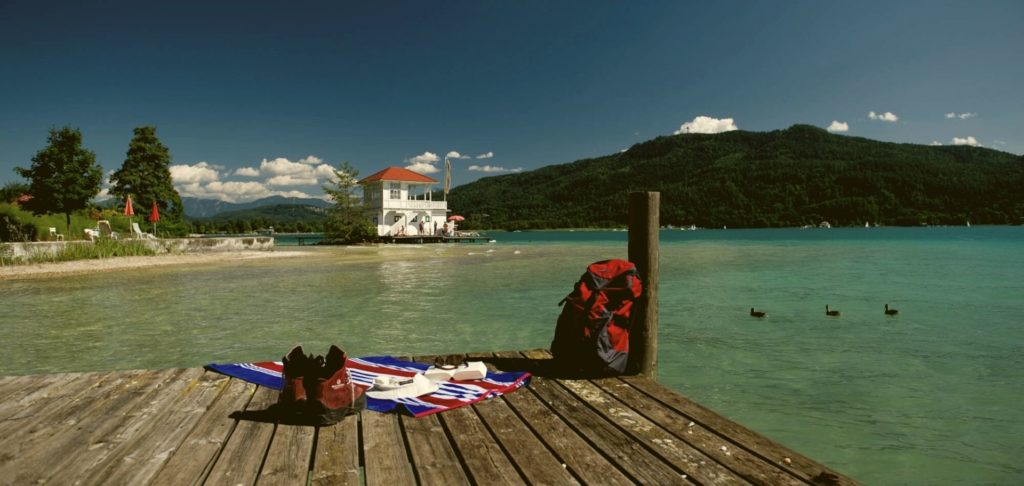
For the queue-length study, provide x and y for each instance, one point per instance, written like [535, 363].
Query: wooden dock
[426, 239]
[176, 427]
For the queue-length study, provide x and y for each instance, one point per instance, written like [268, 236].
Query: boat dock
[180, 426]
[423, 239]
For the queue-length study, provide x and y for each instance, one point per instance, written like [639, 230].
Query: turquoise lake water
[930, 397]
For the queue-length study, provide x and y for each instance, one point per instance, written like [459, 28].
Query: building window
[375, 221]
[396, 190]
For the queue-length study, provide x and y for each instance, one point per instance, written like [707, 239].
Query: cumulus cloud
[886, 117]
[423, 163]
[935, 143]
[962, 116]
[454, 154]
[422, 168]
[485, 155]
[493, 168]
[197, 173]
[706, 124]
[966, 141]
[838, 126]
[234, 191]
[202, 180]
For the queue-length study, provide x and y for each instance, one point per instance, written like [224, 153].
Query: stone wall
[172, 245]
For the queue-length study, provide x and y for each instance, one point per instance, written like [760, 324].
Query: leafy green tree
[346, 222]
[63, 177]
[146, 176]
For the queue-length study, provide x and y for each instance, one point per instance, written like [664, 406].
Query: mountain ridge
[791, 177]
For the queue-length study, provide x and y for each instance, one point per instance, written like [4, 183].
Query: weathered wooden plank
[433, 458]
[485, 461]
[192, 460]
[694, 463]
[620, 447]
[384, 451]
[288, 461]
[240, 460]
[337, 454]
[759, 445]
[737, 459]
[47, 448]
[108, 437]
[531, 457]
[35, 396]
[579, 457]
[147, 440]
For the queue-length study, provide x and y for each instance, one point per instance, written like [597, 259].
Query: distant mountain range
[209, 208]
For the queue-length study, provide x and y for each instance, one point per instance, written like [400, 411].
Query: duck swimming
[832, 313]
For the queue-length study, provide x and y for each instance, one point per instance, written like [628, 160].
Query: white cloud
[486, 155]
[284, 172]
[838, 126]
[424, 158]
[454, 154]
[311, 160]
[282, 166]
[999, 142]
[966, 141]
[290, 180]
[935, 143]
[247, 172]
[887, 116]
[200, 172]
[962, 116]
[706, 124]
[493, 168]
[233, 191]
[422, 168]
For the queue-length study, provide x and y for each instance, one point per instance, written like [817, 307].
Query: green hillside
[801, 175]
[283, 217]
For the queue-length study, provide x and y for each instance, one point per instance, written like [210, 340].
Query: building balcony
[390, 204]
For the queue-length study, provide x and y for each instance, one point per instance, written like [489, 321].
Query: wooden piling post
[644, 253]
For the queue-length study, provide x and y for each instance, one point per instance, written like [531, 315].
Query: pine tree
[346, 222]
[63, 177]
[146, 175]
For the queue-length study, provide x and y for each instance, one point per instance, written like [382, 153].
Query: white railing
[407, 204]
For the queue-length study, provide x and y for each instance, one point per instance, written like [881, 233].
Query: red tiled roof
[397, 174]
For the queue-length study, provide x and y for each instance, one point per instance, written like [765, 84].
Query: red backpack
[592, 333]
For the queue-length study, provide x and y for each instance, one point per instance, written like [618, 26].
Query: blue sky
[255, 98]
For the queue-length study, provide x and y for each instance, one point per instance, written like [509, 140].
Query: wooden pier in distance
[425, 239]
[176, 427]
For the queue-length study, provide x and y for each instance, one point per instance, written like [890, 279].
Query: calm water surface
[929, 397]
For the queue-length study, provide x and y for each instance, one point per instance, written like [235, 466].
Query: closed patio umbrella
[154, 216]
[129, 210]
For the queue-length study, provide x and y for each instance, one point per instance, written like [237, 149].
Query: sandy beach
[46, 270]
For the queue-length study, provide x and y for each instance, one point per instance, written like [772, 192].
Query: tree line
[794, 177]
[65, 178]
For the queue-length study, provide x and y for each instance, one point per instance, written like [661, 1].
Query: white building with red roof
[400, 203]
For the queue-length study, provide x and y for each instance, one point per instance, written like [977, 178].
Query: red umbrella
[455, 217]
[129, 211]
[154, 216]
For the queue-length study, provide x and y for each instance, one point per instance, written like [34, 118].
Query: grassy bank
[101, 248]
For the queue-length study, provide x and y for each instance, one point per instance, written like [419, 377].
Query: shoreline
[90, 266]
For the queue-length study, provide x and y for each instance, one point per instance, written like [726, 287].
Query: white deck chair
[138, 233]
[105, 229]
[54, 235]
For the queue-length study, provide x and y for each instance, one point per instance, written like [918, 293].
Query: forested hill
[801, 175]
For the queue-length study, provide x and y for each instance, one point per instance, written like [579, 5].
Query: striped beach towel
[451, 394]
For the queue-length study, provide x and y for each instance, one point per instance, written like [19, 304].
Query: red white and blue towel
[451, 394]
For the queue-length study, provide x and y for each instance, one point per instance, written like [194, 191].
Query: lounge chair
[105, 229]
[54, 235]
[138, 233]
[92, 234]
